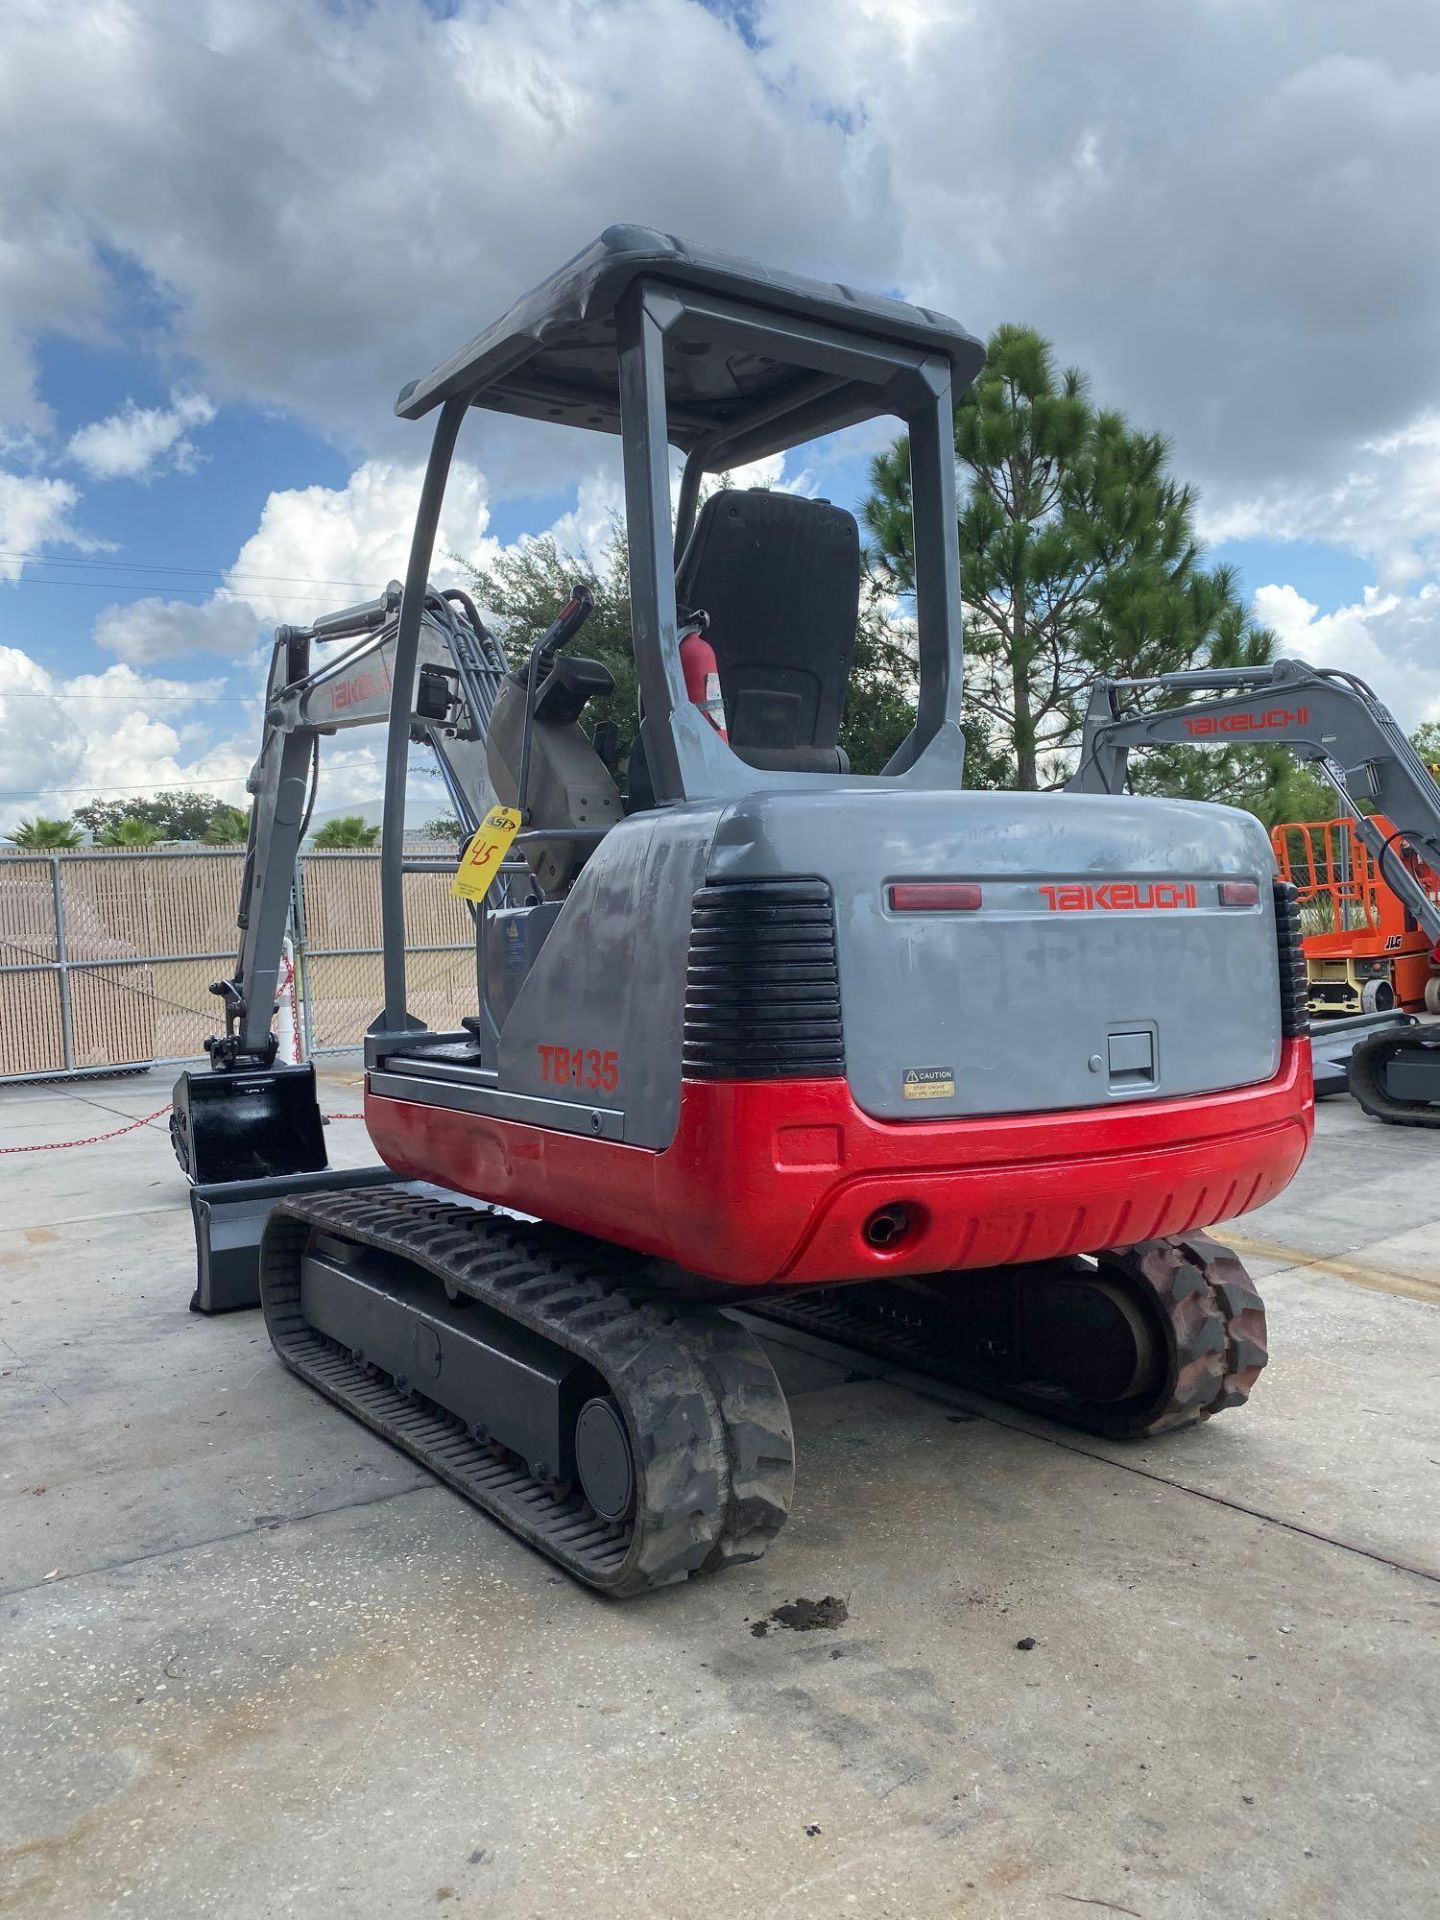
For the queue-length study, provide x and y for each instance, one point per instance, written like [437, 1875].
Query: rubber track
[1365, 1081]
[708, 1423]
[1205, 1306]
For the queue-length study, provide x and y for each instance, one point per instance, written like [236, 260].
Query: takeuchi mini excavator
[725, 1050]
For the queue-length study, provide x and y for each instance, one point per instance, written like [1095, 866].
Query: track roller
[1136, 1342]
[632, 1438]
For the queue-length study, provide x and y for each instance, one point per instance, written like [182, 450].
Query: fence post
[62, 964]
[302, 959]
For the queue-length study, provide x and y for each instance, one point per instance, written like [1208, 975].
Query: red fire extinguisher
[702, 679]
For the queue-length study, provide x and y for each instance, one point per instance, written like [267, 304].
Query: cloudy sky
[234, 228]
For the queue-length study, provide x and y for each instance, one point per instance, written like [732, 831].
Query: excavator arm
[1330, 718]
[248, 1132]
[460, 671]
[1390, 1062]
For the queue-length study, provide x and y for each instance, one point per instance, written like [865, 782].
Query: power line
[191, 699]
[164, 566]
[187, 786]
[197, 594]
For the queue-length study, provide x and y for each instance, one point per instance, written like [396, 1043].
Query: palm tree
[349, 830]
[130, 833]
[45, 835]
[229, 827]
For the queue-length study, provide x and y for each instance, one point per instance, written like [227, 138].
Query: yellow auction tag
[480, 861]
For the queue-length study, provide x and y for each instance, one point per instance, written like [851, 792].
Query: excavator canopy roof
[555, 355]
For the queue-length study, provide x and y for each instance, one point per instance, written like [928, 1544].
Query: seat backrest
[779, 576]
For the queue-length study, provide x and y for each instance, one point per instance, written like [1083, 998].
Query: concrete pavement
[253, 1662]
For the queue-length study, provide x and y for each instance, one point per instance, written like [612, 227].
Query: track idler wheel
[1132, 1342]
[604, 1460]
[1209, 1332]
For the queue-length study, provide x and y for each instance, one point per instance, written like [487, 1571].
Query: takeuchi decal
[1120, 896]
[1273, 720]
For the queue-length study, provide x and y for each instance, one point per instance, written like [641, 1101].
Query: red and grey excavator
[725, 1049]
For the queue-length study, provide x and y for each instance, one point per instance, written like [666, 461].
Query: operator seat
[779, 576]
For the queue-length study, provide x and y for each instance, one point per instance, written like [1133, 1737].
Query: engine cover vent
[762, 989]
[1294, 982]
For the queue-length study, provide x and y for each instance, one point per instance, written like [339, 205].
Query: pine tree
[529, 584]
[1078, 556]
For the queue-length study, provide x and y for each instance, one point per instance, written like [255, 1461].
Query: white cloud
[118, 731]
[1230, 225]
[138, 441]
[1386, 508]
[318, 548]
[50, 277]
[34, 513]
[1391, 640]
[152, 629]
[340, 261]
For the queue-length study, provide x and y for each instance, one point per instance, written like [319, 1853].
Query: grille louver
[762, 990]
[1294, 983]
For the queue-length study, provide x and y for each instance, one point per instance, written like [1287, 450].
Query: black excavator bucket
[247, 1125]
[248, 1139]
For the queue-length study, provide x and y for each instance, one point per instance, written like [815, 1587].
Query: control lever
[563, 628]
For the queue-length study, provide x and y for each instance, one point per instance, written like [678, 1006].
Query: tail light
[1239, 893]
[934, 896]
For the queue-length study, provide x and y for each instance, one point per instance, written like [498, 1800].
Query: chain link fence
[106, 958]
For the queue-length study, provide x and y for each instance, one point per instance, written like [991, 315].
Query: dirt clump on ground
[803, 1616]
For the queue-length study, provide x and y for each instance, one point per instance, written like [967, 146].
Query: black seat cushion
[779, 577]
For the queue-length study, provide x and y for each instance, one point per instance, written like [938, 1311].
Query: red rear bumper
[773, 1180]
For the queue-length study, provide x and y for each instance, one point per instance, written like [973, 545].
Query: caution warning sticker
[929, 1083]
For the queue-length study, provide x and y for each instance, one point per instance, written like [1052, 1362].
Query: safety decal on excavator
[929, 1083]
[480, 861]
[589, 1067]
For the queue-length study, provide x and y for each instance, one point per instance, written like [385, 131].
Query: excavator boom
[1333, 720]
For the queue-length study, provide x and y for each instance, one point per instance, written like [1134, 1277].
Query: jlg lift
[1365, 952]
[720, 1047]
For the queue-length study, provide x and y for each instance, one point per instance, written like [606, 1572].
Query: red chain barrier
[94, 1139]
[91, 1139]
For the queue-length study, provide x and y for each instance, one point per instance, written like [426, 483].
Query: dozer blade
[229, 1218]
[633, 1439]
[245, 1140]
